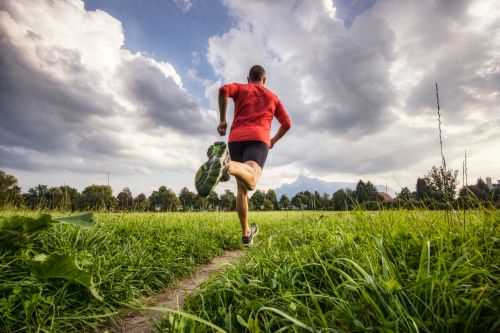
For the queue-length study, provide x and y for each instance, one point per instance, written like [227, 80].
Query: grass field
[128, 255]
[407, 271]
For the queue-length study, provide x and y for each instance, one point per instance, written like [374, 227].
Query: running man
[249, 142]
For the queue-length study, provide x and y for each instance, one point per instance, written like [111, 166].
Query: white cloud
[362, 98]
[329, 8]
[74, 98]
[76, 103]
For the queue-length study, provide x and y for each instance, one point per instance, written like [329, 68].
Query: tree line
[436, 190]
[100, 197]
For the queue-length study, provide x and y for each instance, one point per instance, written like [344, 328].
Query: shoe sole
[211, 172]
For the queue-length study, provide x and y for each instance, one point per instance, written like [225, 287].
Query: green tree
[340, 200]
[316, 203]
[304, 200]
[496, 196]
[10, 192]
[201, 203]
[371, 190]
[308, 200]
[173, 202]
[257, 200]
[284, 202]
[228, 200]
[268, 204]
[467, 197]
[424, 191]
[125, 199]
[213, 201]
[326, 201]
[351, 198]
[443, 184]
[271, 196]
[141, 203]
[187, 199]
[71, 198]
[360, 192]
[298, 200]
[164, 200]
[97, 197]
[15, 197]
[55, 198]
[365, 192]
[404, 195]
[474, 195]
[37, 197]
[482, 190]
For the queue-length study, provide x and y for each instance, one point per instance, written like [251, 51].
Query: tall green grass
[394, 271]
[406, 271]
[129, 255]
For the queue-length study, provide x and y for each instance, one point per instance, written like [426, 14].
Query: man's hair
[256, 73]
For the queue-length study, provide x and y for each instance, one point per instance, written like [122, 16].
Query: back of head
[257, 73]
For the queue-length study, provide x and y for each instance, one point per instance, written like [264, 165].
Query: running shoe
[211, 172]
[248, 240]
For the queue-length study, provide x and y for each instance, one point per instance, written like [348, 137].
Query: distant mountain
[304, 183]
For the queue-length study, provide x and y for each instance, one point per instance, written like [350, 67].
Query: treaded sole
[205, 170]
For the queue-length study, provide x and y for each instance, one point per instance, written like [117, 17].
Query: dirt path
[173, 298]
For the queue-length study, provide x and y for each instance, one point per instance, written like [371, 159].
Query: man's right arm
[227, 90]
[222, 112]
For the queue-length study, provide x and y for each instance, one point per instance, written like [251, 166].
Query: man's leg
[247, 173]
[242, 207]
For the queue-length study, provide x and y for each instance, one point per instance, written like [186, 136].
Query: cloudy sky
[128, 88]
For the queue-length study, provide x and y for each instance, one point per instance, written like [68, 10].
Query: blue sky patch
[164, 31]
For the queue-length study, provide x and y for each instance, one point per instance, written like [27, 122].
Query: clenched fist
[222, 128]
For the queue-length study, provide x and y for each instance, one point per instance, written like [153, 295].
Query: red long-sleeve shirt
[255, 107]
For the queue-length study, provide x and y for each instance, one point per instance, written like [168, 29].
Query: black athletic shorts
[242, 151]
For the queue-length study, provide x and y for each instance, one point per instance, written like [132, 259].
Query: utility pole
[464, 170]
[465, 185]
[439, 125]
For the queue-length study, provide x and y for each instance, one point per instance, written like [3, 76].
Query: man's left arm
[284, 120]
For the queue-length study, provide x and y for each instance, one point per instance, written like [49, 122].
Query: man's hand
[281, 131]
[222, 128]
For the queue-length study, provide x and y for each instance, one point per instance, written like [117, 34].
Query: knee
[245, 187]
[251, 186]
